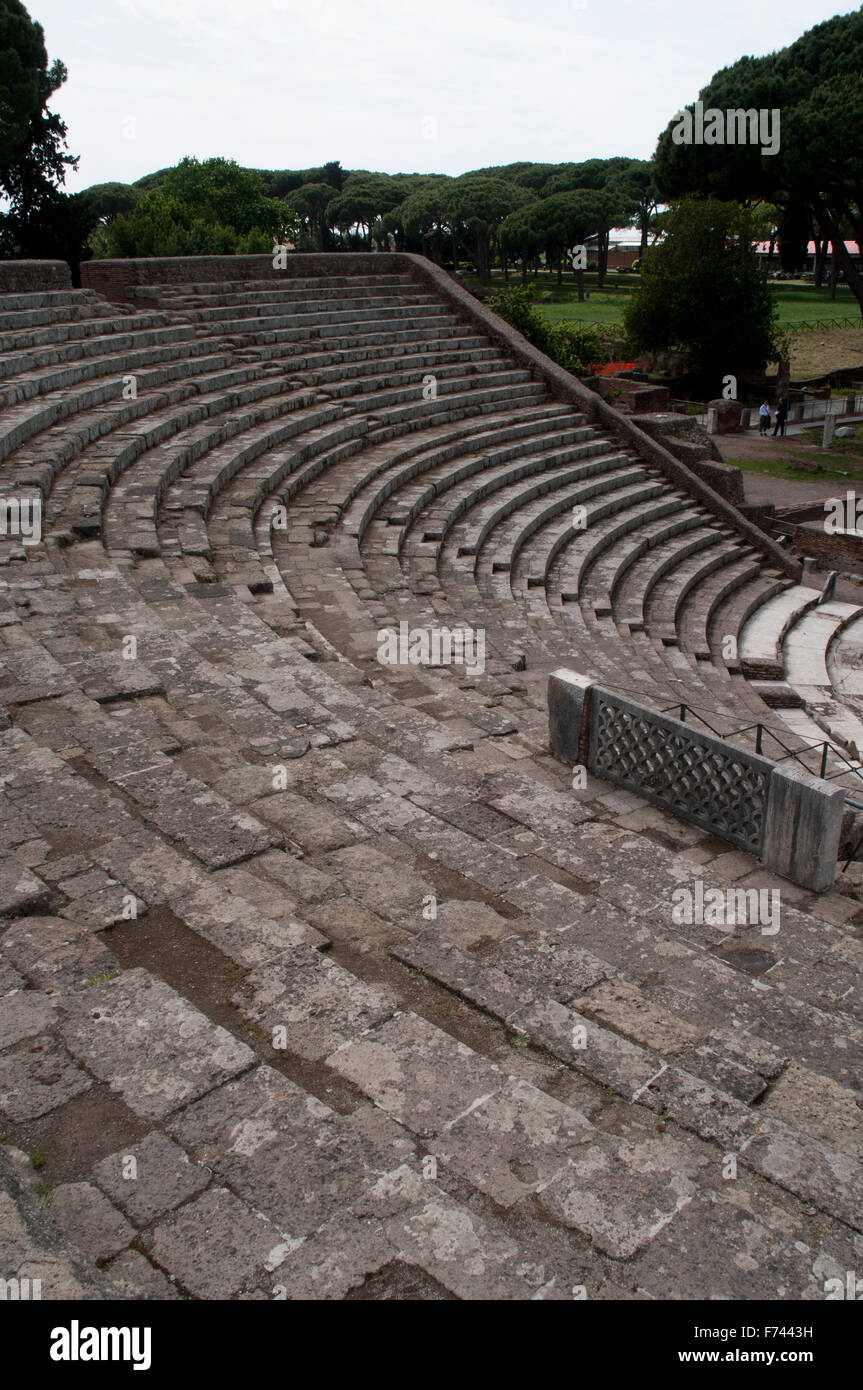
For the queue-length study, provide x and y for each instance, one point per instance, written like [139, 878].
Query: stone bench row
[123, 413]
[202, 421]
[15, 320]
[116, 343]
[67, 335]
[22, 422]
[311, 311]
[120, 363]
[312, 461]
[426, 509]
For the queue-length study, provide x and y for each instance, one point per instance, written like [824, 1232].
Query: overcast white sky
[443, 85]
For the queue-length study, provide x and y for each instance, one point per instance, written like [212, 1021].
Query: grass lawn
[827, 469]
[560, 302]
[825, 350]
[797, 302]
[800, 303]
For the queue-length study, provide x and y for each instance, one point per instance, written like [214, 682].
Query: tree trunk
[559, 268]
[852, 273]
[482, 253]
[524, 266]
[644, 224]
[602, 259]
[820, 257]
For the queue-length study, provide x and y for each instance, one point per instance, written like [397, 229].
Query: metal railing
[804, 325]
[823, 748]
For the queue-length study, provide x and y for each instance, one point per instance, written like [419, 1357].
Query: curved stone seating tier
[678, 569]
[807, 640]
[169, 439]
[427, 448]
[811, 633]
[354, 311]
[520, 487]
[253, 373]
[616, 515]
[24, 317]
[243, 504]
[177, 350]
[532, 430]
[341, 369]
[130, 332]
[106, 441]
[732, 614]
[642, 570]
[203, 483]
[391, 581]
[696, 613]
[301, 897]
[22, 422]
[73, 330]
[227, 290]
[500, 436]
[48, 299]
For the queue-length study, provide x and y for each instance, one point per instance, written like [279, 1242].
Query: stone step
[761, 638]
[806, 643]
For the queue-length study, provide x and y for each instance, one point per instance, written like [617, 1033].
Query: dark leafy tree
[104, 201]
[212, 207]
[560, 222]
[817, 86]
[311, 200]
[425, 214]
[794, 234]
[637, 186]
[615, 178]
[364, 199]
[703, 295]
[477, 206]
[521, 235]
[33, 156]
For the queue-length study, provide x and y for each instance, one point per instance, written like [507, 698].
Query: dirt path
[763, 487]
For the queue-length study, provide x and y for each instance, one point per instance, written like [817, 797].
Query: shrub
[573, 346]
[516, 307]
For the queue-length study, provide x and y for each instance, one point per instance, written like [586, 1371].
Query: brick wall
[28, 277]
[835, 552]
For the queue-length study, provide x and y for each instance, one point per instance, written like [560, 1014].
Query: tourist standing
[781, 417]
[764, 418]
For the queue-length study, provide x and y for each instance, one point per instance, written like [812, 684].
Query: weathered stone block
[568, 715]
[803, 825]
